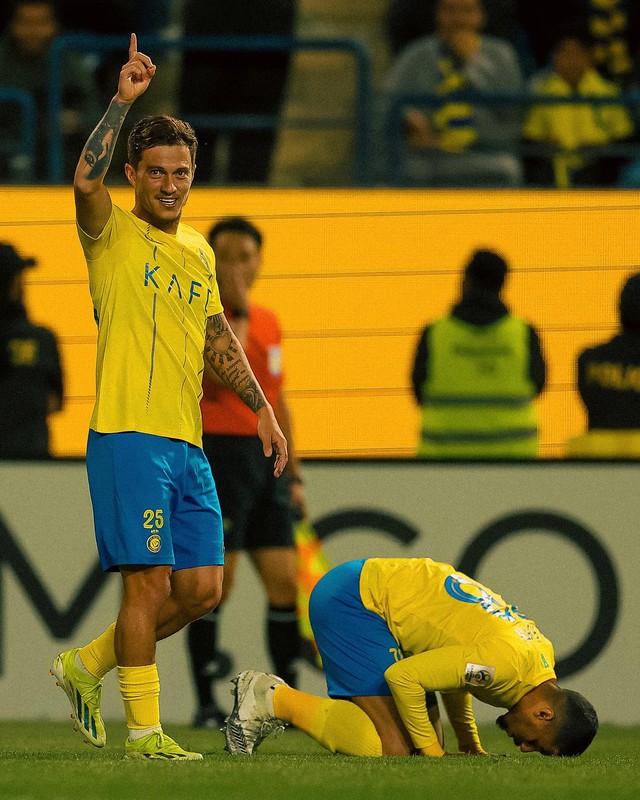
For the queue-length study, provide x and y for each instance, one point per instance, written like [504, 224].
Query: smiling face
[162, 181]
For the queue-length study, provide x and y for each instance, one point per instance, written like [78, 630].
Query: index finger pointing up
[133, 46]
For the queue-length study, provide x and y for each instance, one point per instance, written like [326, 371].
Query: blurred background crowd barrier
[357, 123]
[366, 144]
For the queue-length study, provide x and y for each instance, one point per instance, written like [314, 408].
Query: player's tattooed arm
[98, 151]
[93, 202]
[227, 359]
[224, 355]
[135, 77]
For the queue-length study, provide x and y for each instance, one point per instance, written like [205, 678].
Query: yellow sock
[338, 725]
[140, 690]
[99, 656]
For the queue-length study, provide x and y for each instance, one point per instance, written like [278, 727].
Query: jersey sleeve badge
[479, 675]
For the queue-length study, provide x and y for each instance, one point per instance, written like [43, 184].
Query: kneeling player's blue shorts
[154, 502]
[356, 645]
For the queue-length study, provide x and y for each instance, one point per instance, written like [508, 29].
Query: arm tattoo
[98, 150]
[228, 361]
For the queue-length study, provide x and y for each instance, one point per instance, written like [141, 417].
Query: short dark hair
[487, 269]
[235, 225]
[159, 130]
[579, 725]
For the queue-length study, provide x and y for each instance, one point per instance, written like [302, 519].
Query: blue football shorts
[154, 502]
[356, 645]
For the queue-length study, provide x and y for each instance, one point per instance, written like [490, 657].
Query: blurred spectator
[629, 177]
[24, 49]
[30, 372]
[408, 20]
[236, 82]
[458, 144]
[568, 129]
[476, 373]
[609, 386]
[613, 24]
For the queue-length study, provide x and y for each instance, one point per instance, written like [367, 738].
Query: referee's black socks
[202, 637]
[284, 641]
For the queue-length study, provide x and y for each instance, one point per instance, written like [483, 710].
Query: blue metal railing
[399, 102]
[154, 44]
[25, 146]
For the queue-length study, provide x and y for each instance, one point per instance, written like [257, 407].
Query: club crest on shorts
[479, 675]
[154, 543]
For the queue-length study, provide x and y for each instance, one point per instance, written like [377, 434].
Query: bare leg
[277, 569]
[194, 592]
[207, 664]
[383, 713]
[145, 591]
[393, 734]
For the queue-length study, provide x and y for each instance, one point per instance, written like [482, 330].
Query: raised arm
[93, 203]
[224, 354]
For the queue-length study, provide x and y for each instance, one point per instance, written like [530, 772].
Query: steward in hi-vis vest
[477, 372]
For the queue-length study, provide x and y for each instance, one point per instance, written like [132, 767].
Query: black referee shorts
[256, 507]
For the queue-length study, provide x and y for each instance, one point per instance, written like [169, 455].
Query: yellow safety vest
[478, 395]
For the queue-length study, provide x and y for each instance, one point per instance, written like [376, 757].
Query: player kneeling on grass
[391, 632]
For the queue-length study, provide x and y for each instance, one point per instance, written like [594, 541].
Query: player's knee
[200, 601]
[207, 601]
[146, 588]
[197, 608]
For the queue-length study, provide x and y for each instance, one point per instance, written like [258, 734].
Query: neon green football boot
[157, 746]
[84, 693]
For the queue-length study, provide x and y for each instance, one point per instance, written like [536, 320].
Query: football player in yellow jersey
[156, 511]
[391, 632]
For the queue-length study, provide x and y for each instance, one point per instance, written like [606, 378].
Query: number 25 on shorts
[153, 519]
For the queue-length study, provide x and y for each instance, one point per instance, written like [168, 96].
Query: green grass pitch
[48, 761]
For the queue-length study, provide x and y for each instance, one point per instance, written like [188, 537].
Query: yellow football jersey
[152, 293]
[454, 636]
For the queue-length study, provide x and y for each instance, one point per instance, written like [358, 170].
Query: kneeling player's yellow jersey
[152, 293]
[454, 636]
